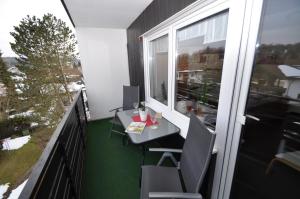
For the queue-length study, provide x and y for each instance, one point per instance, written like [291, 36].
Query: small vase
[143, 114]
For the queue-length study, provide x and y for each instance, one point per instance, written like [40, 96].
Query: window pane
[158, 59]
[200, 53]
[268, 159]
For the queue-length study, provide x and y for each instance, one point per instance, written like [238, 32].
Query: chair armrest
[167, 153]
[174, 195]
[115, 109]
[165, 150]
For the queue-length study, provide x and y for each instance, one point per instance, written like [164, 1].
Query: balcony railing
[58, 172]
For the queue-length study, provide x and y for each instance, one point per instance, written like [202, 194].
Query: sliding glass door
[268, 158]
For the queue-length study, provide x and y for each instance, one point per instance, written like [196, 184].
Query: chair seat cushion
[159, 179]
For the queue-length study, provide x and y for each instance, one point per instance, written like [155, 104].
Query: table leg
[143, 153]
[125, 140]
[142, 162]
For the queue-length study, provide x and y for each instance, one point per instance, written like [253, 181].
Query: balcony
[75, 162]
[234, 65]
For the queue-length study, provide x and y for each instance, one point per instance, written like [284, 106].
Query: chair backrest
[131, 94]
[196, 154]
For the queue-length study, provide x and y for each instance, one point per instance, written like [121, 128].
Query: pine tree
[44, 46]
[9, 98]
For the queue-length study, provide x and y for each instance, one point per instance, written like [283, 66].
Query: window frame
[168, 111]
[155, 104]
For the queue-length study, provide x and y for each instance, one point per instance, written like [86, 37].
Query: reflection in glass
[268, 162]
[158, 59]
[200, 54]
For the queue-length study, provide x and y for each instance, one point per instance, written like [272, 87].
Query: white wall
[103, 55]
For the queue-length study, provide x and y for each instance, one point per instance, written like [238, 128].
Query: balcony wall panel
[103, 55]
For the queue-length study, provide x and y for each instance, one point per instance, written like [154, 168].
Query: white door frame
[253, 13]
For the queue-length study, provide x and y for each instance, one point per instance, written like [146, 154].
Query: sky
[281, 22]
[12, 11]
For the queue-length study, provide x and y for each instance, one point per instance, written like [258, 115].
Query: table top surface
[163, 129]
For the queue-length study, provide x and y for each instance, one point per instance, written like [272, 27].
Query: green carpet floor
[111, 169]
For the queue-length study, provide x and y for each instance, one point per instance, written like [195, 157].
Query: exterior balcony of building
[231, 66]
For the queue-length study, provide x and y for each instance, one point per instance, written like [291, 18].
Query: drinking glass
[135, 106]
[153, 120]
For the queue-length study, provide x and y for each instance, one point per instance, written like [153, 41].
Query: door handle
[298, 123]
[252, 117]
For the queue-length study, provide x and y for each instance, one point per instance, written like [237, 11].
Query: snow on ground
[47, 123]
[19, 91]
[2, 90]
[22, 98]
[15, 70]
[17, 78]
[72, 75]
[73, 86]
[3, 189]
[24, 114]
[17, 191]
[16, 143]
[34, 124]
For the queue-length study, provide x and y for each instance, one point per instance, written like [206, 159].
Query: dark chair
[164, 182]
[130, 95]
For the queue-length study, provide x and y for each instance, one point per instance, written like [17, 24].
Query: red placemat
[136, 118]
